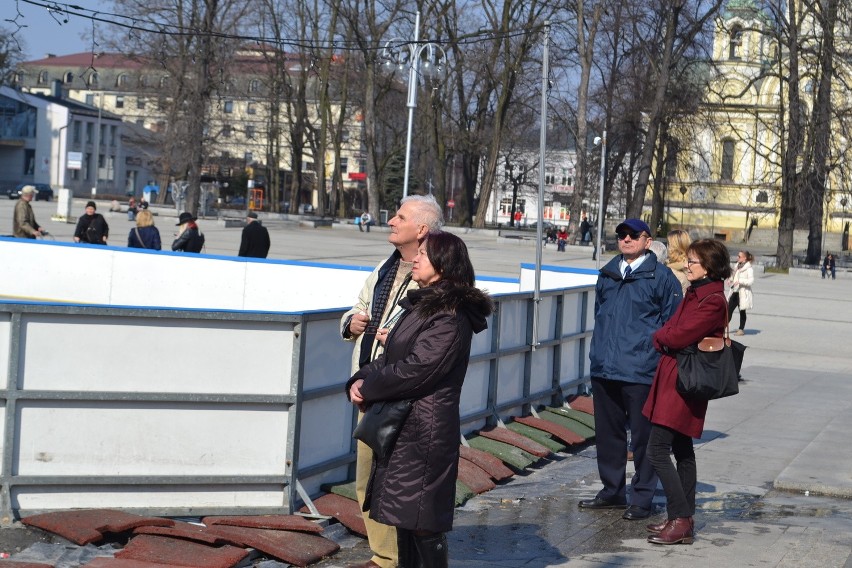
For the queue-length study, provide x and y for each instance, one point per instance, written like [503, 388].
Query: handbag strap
[139, 237]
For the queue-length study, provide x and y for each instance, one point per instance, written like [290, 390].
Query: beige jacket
[24, 225]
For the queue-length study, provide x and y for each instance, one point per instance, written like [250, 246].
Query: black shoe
[598, 503]
[636, 513]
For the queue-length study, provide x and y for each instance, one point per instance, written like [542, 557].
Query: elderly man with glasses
[634, 296]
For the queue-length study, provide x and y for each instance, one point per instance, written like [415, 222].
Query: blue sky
[43, 34]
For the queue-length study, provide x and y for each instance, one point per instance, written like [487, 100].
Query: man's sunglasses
[632, 234]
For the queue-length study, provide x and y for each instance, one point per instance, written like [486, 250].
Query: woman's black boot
[408, 555]
[432, 550]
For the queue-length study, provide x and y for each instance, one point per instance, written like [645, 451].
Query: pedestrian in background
[377, 306]
[828, 265]
[189, 237]
[425, 360]
[24, 224]
[255, 239]
[91, 227]
[366, 221]
[741, 295]
[132, 209]
[634, 296]
[145, 235]
[561, 238]
[679, 241]
[676, 420]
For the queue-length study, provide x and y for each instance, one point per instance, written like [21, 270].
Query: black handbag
[710, 369]
[381, 424]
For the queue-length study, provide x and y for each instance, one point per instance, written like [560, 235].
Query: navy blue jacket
[627, 313]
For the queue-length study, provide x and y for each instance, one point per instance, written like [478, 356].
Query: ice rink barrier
[190, 385]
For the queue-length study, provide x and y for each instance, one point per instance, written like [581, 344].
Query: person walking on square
[91, 228]
[741, 294]
[425, 360]
[634, 296]
[828, 265]
[377, 305]
[255, 238]
[676, 420]
[24, 224]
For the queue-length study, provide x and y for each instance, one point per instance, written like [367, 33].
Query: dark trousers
[618, 405]
[733, 303]
[678, 483]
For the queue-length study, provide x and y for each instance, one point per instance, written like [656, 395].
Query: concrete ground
[774, 465]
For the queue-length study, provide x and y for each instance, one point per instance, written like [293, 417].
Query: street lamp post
[431, 55]
[682, 201]
[598, 246]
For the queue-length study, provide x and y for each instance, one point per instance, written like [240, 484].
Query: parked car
[43, 191]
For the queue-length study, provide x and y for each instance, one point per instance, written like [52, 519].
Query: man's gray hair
[428, 211]
[660, 249]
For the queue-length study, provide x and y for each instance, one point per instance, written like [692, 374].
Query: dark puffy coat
[99, 229]
[627, 312]
[703, 313]
[426, 359]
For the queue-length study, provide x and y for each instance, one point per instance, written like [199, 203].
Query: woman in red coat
[675, 420]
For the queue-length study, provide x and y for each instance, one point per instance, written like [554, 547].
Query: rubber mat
[345, 489]
[581, 417]
[295, 548]
[463, 493]
[186, 531]
[474, 477]
[277, 522]
[540, 436]
[511, 455]
[581, 403]
[567, 435]
[577, 427]
[86, 526]
[346, 511]
[105, 562]
[514, 439]
[491, 464]
[174, 551]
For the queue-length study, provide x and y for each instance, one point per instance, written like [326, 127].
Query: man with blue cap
[634, 296]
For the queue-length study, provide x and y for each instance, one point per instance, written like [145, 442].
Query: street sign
[451, 203]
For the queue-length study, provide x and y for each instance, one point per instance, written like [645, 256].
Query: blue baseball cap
[634, 225]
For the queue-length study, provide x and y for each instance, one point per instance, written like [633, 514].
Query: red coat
[703, 313]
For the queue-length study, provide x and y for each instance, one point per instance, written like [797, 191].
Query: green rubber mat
[577, 415]
[463, 493]
[569, 423]
[511, 455]
[536, 435]
[344, 489]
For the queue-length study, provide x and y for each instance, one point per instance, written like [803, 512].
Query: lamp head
[597, 140]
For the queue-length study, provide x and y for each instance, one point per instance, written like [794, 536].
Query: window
[121, 80]
[549, 176]
[344, 165]
[42, 77]
[29, 161]
[254, 86]
[77, 129]
[728, 147]
[140, 122]
[140, 103]
[68, 78]
[307, 166]
[94, 79]
[362, 165]
[736, 43]
[119, 102]
[103, 132]
[112, 131]
[226, 155]
[90, 133]
[251, 108]
[143, 81]
[229, 107]
[90, 99]
[250, 131]
[344, 136]
[226, 131]
[87, 162]
[164, 81]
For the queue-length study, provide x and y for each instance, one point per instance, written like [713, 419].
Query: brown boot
[678, 531]
[655, 528]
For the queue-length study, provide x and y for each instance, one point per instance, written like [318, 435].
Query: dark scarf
[377, 310]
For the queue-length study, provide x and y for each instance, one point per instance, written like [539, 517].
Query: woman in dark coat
[426, 358]
[91, 227]
[675, 420]
[190, 238]
[145, 235]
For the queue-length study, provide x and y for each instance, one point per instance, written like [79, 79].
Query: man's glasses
[632, 234]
